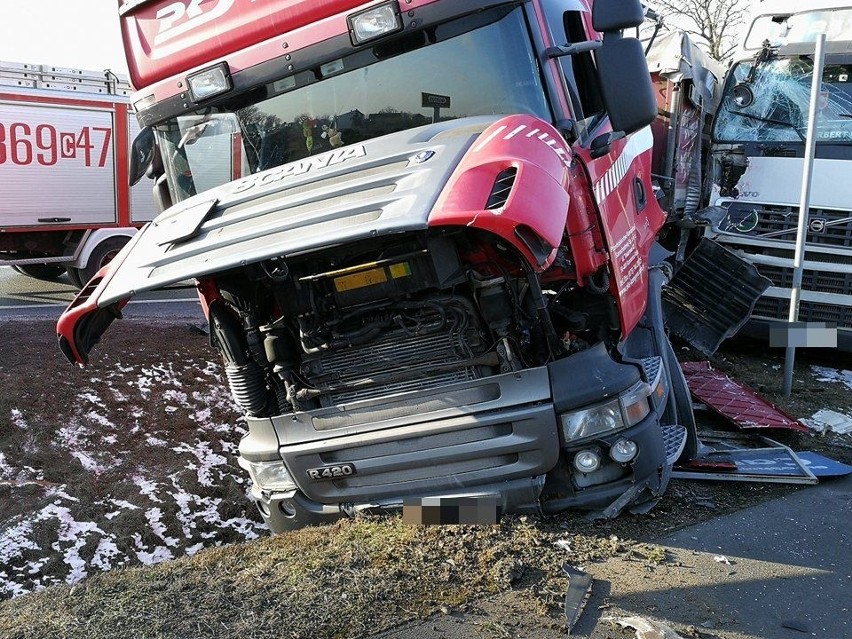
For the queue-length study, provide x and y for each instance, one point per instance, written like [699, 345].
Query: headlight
[269, 476]
[628, 410]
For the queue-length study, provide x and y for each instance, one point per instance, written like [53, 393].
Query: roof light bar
[375, 22]
[210, 82]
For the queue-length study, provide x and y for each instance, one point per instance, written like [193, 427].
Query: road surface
[25, 297]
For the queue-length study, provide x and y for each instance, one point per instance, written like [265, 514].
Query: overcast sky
[65, 33]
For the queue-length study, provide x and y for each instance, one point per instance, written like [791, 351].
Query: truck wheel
[101, 256]
[74, 276]
[41, 271]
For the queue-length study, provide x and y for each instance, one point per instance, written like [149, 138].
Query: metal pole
[804, 208]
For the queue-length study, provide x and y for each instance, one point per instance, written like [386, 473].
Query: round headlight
[623, 451]
[587, 461]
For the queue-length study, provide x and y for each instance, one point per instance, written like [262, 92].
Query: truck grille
[827, 227]
[398, 365]
[808, 311]
[431, 457]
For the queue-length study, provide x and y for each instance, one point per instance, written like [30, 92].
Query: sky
[82, 34]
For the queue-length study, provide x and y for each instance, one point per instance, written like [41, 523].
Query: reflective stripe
[637, 144]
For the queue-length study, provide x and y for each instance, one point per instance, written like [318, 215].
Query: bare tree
[715, 22]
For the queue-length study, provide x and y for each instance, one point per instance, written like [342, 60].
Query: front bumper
[497, 437]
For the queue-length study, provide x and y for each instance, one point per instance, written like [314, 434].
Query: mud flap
[711, 296]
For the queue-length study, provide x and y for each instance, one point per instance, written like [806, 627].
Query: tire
[46, 272]
[74, 276]
[101, 256]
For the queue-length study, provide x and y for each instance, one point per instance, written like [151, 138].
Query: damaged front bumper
[501, 437]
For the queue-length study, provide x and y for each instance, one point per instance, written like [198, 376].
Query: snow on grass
[171, 486]
[826, 374]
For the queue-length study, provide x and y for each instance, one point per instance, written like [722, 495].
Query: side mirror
[743, 95]
[141, 155]
[626, 83]
[616, 15]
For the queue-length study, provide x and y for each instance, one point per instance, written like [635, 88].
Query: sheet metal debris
[579, 587]
[743, 457]
[829, 420]
[735, 400]
[645, 628]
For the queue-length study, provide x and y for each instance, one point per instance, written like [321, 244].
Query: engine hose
[554, 343]
[248, 386]
[245, 378]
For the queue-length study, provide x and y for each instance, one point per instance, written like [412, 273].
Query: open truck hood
[385, 185]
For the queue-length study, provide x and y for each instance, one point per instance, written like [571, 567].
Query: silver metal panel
[415, 409]
[430, 458]
[357, 191]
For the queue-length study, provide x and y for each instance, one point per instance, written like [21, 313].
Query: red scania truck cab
[424, 236]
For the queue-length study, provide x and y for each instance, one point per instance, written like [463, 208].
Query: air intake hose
[245, 378]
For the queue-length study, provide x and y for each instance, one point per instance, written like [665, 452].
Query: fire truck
[424, 235]
[66, 205]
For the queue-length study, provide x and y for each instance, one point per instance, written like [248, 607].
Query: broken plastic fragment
[645, 628]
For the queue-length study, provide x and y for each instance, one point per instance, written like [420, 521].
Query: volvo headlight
[269, 476]
[630, 408]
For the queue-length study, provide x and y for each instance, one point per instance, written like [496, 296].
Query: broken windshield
[453, 71]
[779, 113]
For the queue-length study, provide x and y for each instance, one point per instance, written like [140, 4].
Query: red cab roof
[164, 38]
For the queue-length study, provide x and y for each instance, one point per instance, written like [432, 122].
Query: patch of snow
[99, 419]
[89, 396]
[159, 554]
[147, 488]
[18, 419]
[88, 463]
[155, 521]
[156, 441]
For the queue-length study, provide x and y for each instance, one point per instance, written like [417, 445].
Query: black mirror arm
[573, 49]
[601, 145]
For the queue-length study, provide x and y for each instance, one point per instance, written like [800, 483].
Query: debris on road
[645, 628]
[579, 588]
[743, 457]
[825, 374]
[829, 420]
[734, 400]
[822, 466]
[722, 559]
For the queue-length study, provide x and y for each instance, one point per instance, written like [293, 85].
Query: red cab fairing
[630, 215]
[82, 324]
[528, 158]
[164, 38]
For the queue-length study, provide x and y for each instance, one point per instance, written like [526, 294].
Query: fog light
[587, 461]
[623, 451]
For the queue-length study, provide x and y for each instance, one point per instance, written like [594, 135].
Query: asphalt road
[779, 570]
[25, 297]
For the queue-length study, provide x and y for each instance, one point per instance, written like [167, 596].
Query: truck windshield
[458, 69]
[779, 113]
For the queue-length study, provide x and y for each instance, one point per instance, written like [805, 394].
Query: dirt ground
[130, 462]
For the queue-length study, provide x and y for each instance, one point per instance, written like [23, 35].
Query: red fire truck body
[64, 139]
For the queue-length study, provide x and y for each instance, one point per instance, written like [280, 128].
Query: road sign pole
[804, 206]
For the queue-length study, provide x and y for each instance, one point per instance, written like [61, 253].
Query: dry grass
[347, 580]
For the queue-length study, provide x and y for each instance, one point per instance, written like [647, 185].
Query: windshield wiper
[760, 118]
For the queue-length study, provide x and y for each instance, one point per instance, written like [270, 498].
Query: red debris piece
[735, 400]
